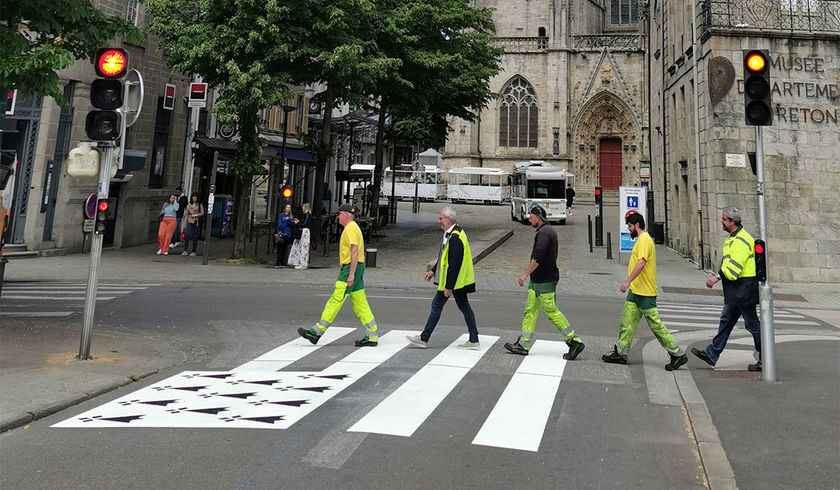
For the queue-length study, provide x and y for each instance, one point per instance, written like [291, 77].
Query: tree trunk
[241, 205]
[378, 157]
[323, 155]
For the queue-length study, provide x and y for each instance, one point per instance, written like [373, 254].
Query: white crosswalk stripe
[42, 300]
[708, 316]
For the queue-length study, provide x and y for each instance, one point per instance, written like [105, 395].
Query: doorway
[610, 163]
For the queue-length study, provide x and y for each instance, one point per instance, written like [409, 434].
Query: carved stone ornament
[721, 76]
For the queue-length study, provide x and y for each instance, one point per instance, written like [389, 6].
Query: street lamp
[278, 178]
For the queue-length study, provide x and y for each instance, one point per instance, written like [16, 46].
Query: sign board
[198, 95]
[630, 199]
[10, 104]
[87, 226]
[227, 131]
[644, 172]
[736, 160]
[90, 206]
[169, 97]
[134, 97]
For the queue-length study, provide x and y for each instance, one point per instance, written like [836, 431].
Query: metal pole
[609, 245]
[3, 261]
[589, 220]
[208, 223]
[768, 347]
[95, 256]
[700, 258]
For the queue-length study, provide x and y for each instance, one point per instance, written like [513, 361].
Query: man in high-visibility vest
[454, 275]
[740, 289]
[542, 285]
[350, 283]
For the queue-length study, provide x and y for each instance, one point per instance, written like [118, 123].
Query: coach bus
[478, 185]
[429, 183]
[539, 182]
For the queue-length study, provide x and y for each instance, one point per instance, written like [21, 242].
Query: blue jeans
[728, 318]
[437, 307]
[176, 237]
[191, 234]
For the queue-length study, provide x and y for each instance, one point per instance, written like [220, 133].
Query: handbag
[280, 238]
[160, 217]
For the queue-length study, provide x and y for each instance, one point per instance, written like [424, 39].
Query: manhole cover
[732, 374]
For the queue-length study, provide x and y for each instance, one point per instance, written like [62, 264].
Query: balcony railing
[628, 42]
[781, 15]
[522, 44]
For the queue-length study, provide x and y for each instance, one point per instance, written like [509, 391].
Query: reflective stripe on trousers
[360, 307]
[546, 302]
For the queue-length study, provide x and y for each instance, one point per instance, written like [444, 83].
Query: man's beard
[633, 233]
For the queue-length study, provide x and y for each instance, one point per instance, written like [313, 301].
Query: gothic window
[624, 12]
[518, 114]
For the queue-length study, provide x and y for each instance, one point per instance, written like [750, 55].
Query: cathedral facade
[572, 91]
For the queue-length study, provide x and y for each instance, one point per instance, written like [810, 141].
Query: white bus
[430, 183]
[539, 182]
[478, 185]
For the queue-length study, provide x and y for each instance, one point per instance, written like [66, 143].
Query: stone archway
[605, 118]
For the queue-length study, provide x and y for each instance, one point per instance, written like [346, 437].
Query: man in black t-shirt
[541, 290]
[570, 198]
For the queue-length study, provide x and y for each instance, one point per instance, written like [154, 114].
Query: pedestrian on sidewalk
[299, 253]
[454, 274]
[350, 283]
[326, 197]
[641, 299]
[542, 288]
[168, 224]
[189, 226]
[740, 289]
[283, 237]
[570, 198]
[179, 217]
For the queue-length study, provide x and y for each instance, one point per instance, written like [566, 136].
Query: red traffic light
[111, 62]
[103, 206]
[759, 248]
[756, 62]
[597, 192]
[287, 192]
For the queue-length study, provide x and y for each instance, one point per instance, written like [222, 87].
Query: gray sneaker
[469, 346]
[415, 341]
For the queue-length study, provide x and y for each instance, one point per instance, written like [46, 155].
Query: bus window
[547, 189]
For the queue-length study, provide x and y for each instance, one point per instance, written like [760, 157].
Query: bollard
[3, 261]
[589, 219]
[609, 245]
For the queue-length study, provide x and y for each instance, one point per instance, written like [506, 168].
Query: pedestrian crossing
[681, 315]
[55, 299]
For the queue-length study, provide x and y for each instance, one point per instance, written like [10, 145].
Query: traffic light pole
[768, 346]
[208, 211]
[95, 254]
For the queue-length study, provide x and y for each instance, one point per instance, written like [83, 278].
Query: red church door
[610, 163]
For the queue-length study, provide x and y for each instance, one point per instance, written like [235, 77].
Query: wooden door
[610, 163]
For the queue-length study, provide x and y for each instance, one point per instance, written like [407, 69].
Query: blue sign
[626, 243]
[633, 202]
[90, 206]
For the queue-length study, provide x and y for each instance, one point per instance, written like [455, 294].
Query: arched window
[624, 12]
[518, 113]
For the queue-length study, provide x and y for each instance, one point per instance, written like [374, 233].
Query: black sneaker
[308, 335]
[702, 355]
[515, 348]
[614, 357]
[366, 342]
[676, 362]
[756, 368]
[575, 348]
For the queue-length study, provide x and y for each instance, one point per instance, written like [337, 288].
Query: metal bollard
[589, 219]
[3, 261]
[609, 245]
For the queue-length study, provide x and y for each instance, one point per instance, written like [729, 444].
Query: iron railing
[783, 15]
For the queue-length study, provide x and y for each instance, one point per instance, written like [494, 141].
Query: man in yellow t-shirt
[641, 299]
[350, 283]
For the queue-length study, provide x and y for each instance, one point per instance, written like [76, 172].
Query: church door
[610, 163]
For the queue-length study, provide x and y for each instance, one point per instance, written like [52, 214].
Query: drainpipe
[694, 50]
[664, 139]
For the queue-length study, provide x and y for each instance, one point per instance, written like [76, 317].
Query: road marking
[716, 313]
[529, 394]
[419, 298]
[58, 298]
[404, 410]
[716, 324]
[36, 313]
[293, 351]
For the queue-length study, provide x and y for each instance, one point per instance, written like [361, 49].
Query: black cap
[347, 208]
[539, 212]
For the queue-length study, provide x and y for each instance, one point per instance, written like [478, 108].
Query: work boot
[308, 335]
[756, 368]
[516, 348]
[676, 362]
[366, 342]
[703, 356]
[614, 357]
[575, 348]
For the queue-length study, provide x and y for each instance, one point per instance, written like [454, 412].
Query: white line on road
[404, 410]
[423, 298]
[58, 298]
[36, 313]
[715, 324]
[295, 350]
[530, 394]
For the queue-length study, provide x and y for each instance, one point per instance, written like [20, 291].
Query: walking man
[570, 199]
[740, 289]
[179, 217]
[541, 289]
[641, 299]
[454, 275]
[350, 283]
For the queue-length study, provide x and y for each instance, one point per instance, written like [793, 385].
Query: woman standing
[192, 214]
[283, 237]
[299, 254]
[167, 224]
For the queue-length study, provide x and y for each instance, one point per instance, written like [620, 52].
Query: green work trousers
[630, 317]
[540, 296]
[357, 296]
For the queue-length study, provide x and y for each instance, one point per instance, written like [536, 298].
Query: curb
[495, 239]
[62, 405]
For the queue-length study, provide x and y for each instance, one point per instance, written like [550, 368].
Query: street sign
[169, 97]
[133, 98]
[10, 104]
[227, 131]
[198, 95]
[90, 206]
[87, 226]
[630, 199]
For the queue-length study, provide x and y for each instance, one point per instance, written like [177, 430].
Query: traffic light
[760, 260]
[758, 110]
[106, 93]
[101, 215]
[598, 196]
[287, 192]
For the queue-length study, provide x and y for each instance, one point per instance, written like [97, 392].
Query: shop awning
[298, 156]
[215, 144]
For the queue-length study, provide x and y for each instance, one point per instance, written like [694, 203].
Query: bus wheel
[512, 216]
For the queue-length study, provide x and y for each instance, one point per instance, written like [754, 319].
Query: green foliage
[40, 37]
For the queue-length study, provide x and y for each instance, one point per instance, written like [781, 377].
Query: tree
[40, 37]
[236, 46]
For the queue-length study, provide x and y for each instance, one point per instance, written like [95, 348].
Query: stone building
[573, 91]
[704, 134]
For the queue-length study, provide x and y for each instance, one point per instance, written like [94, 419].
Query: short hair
[733, 214]
[306, 206]
[635, 219]
[179, 188]
[449, 212]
